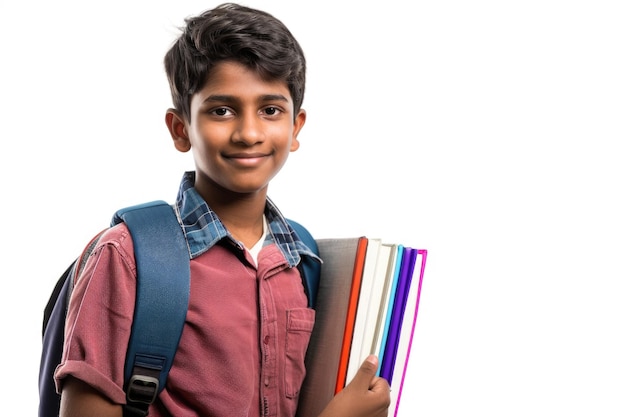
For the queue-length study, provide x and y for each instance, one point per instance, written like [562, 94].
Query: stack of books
[367, 303]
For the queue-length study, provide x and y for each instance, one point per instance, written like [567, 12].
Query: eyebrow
[225, 98]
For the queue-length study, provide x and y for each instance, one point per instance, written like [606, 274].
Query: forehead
[229, 77]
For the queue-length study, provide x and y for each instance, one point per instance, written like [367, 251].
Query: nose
[248, 130]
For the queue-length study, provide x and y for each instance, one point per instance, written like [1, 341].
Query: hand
[365, 396]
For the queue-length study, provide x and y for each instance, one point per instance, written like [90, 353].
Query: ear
[178, 130]
[297, 126]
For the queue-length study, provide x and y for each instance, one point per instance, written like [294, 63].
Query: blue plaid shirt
[203, 229]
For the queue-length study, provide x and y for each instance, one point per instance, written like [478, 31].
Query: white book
[384, 276]
[388, 300]
[373, 319]
[407, 332]
[360, 321]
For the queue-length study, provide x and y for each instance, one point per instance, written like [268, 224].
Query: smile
[247, 160]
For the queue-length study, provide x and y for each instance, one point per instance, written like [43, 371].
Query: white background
[488, 132]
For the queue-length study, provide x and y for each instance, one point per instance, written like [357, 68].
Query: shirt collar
[203, 229]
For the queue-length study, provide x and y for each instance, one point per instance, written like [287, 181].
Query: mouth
[251, 159]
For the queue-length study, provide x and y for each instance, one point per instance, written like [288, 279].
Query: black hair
[237, 33]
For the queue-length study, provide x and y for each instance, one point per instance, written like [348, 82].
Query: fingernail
[372, 359]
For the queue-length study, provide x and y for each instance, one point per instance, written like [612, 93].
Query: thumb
[365, 374]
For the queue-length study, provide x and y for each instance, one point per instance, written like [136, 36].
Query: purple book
[407, 267]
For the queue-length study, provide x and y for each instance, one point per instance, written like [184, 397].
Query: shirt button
[266, 340]
[267, 382]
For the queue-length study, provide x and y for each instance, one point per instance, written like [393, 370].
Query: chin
[249, 189]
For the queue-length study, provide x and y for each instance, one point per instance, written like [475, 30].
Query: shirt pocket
[300, 323]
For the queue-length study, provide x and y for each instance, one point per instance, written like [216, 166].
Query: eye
[271, 111]
[221, 111]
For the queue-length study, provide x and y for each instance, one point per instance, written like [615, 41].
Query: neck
[241, 214]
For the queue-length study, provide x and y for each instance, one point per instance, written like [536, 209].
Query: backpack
[162, 266]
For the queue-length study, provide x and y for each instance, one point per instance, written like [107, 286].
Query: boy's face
[241, 130]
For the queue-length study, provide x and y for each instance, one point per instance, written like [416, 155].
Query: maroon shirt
[243, 345]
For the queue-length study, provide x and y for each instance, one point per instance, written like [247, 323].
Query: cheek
[206, 139]
[202, 153]
[283, 136]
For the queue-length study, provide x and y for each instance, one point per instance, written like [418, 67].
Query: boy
[237, 79]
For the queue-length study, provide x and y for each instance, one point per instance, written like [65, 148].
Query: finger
[366, 373]
[379, 384]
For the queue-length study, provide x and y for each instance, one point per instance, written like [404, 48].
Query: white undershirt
[254, 250]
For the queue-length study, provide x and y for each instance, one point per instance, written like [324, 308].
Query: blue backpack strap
[163, 280]
[309, 267]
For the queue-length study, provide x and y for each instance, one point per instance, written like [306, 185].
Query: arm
[80, 400]
[365, 396]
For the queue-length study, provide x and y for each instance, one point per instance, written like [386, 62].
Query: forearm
[80, 400]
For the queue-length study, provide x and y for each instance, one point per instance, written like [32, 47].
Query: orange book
[353, 302]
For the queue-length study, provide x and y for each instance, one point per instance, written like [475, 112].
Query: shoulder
[117, 237]
[111, 246]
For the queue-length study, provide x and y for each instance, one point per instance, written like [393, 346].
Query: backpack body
[162, 267]
[52, 350]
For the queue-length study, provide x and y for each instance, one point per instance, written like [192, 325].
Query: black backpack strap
[163, 281]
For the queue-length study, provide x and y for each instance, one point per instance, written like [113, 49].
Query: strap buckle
[142, 389]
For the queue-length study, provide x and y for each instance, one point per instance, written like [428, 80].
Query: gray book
[325, 347]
